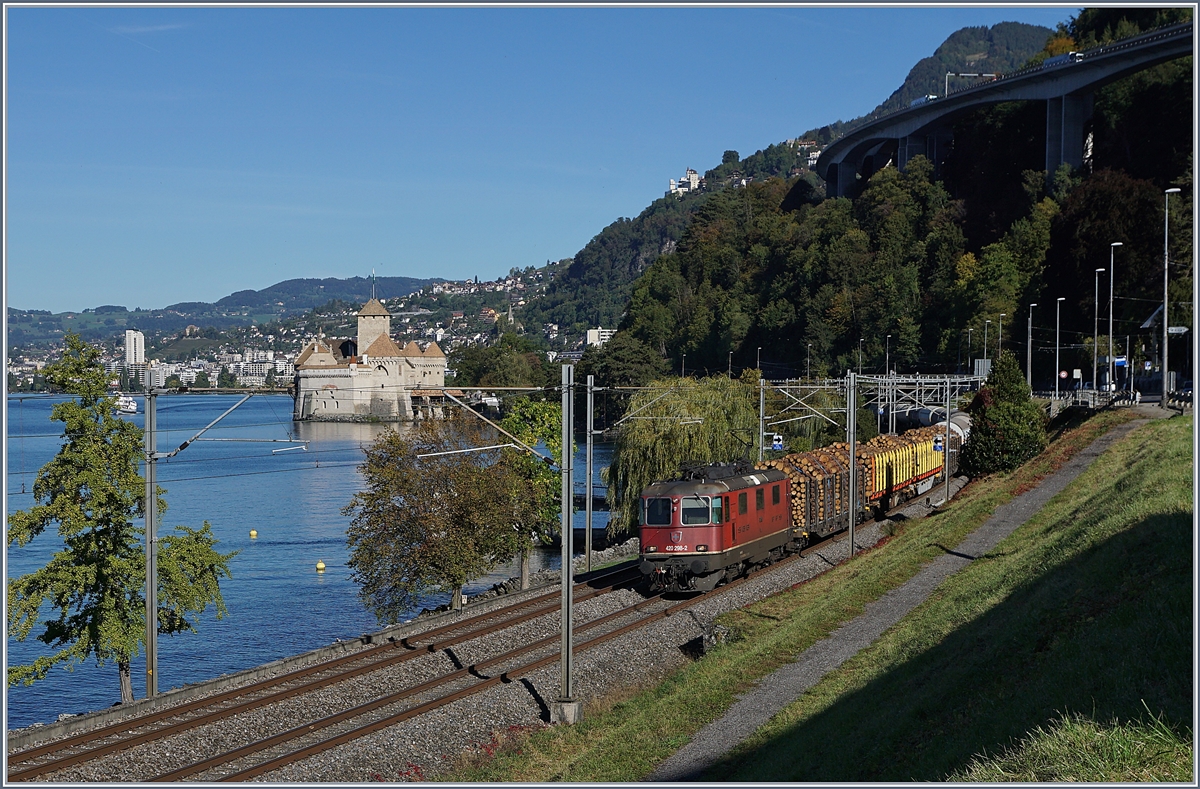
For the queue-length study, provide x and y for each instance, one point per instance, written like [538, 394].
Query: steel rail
[505, 676]
[472, 670]
[418, 645]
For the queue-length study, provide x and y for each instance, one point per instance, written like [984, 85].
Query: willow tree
[673, 423]
[92, 588]
[427, 521]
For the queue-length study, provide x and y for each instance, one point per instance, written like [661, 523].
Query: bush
[1007, 427]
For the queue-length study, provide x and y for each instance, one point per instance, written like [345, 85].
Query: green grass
[623, 738]
[1077, 749]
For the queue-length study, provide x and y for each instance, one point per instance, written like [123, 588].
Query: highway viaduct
[1066, 87]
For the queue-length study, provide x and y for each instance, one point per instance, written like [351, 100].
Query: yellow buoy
[320, 566]
[253, 533]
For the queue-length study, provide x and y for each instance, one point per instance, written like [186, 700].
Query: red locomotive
[719, 521]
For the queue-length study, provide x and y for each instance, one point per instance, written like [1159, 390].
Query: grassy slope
[623, 739]
[1075, 633]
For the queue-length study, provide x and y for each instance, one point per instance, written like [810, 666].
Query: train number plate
[675, 548]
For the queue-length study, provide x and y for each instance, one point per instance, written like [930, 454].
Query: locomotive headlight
[701, 547]
[651, 548]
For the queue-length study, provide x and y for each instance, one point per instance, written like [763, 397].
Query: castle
[370, 377]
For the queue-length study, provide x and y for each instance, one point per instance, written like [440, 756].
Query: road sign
[1062, 374]
[1077, 373]
[1177, 330]
[777, 441]
[1119, 361]
[1147, 363]
[937, 443]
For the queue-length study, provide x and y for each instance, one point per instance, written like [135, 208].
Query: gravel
[427, 745]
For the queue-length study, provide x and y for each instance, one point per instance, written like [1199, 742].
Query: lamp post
[860, 342]
[808, 368]
[1166, 280]
[1000, 335]
[683, 367]
[1096, 326]
[730, 370]
[985, 334]
[758, 359]
[1029, 349]
[970, 350]
[1112, 248]
[887, 356]
[1057, 325]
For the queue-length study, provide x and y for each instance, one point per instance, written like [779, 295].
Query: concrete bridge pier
[839, 178]
[1066, 121]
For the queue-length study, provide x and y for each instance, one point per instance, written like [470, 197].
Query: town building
[135, 348]
[599, 336]
[369, 377]
[690, 182]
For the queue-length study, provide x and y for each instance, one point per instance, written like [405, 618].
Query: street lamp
[970, 350]
[1000, 335]
[1112, 248]
[808, 369]
[1057, 324]
[683, 367]
[730, 370]
[1096, 326]
[985, 334]
[758, 358]
[860, 342]
[887, 355]
[1029, 349]
[1166, 279]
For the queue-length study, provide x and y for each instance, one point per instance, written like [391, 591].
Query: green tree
[430, 524]
[1007, 427]
[172, 382]
[712, 420]
[537, 512]
[226, 379]
[201, 381]
[93, 585]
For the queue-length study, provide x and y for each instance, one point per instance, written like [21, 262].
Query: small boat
[126, 404]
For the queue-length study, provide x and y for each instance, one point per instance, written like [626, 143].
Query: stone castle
[370, 377]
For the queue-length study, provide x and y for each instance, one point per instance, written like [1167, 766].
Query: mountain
[279, 301]
[597, 285]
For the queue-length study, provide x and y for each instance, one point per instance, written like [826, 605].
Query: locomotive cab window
[742, 508]
[759, 499]
[658, 512]
[695, 511]
[718, 513]
[774, 494]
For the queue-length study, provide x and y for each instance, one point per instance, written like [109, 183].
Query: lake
[278, 604]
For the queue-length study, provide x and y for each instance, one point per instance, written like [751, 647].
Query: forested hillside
[599, 282]
[926, 260]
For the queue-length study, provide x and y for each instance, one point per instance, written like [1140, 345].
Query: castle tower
[374, 321]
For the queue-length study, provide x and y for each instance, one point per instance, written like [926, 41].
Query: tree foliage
[698, 421]
[1007, 427]
[93, 586]
[423, 525]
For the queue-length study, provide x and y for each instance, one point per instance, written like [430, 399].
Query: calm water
[278, 604]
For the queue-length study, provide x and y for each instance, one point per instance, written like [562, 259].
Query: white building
[135, 347]
[599, 336]
[368, 378]
[690, 182]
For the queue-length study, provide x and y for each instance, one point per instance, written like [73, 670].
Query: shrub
[1007, 427]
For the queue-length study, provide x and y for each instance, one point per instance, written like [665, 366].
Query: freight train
[719, 521]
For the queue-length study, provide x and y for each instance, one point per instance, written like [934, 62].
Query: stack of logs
[831, 463]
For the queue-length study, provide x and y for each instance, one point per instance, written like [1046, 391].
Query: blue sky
[160, 155]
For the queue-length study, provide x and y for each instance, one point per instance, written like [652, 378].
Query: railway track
[297, 742]
[95, 744]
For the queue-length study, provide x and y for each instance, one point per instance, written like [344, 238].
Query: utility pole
[152, 458]
[151, 545]
[762, 405]
[566, 709]
[1166, 287]
[587, 491]
[946, 446]
[851, 429]
[1112, 250]
[1029, 349]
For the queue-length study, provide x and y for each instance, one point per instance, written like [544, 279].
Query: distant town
[453, 314]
